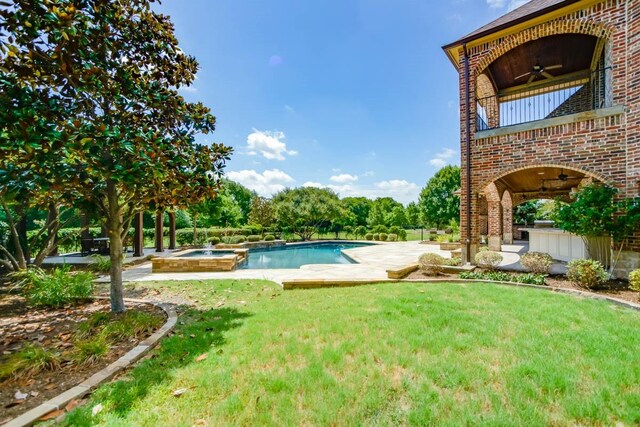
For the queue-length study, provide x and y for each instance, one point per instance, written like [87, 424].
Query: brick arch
[551, 28]
[485, 184]
[491, 192]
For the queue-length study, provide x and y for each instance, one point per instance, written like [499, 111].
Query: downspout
[467, 150]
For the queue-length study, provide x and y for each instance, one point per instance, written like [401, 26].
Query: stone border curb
[88, 385]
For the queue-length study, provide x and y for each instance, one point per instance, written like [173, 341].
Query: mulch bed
[52, 329]
[613, 288]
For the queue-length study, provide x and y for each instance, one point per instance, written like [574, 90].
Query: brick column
[138, 236]
[507, 218]
[172, 230]
[495, 225]
[159, 231]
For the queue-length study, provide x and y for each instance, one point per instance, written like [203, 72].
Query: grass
[30, 361]
[386, 354]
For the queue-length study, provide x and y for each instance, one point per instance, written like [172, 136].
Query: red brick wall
[606, 148]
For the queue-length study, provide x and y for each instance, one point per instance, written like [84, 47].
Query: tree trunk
[115, 228]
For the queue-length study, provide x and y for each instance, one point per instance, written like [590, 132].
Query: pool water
[294, 256]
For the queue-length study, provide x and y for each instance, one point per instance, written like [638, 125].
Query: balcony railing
[545, 100]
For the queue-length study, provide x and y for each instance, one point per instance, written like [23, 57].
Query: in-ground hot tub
[200, 260]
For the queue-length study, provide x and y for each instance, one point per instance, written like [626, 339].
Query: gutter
[467, 150]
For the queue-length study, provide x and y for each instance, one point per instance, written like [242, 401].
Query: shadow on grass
[197, 332]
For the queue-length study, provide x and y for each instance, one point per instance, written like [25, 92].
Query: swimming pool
[296, 255]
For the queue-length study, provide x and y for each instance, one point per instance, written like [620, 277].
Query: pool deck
[373, 263]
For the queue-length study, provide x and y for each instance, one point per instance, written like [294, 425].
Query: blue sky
[356, 95]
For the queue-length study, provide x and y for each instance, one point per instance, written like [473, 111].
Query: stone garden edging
[88, 385]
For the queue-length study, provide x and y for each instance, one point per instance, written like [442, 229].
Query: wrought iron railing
[544, 100]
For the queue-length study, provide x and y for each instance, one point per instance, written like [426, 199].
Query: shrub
[488, 259]
[269, 238]
[376, 236]
[234, 240]
[431, 264]
[392, 237]
[253, 238]
[90, 350]
[587, 273]
[101, 264]
[634, 280]
[30, 361]
[536, 262]
[380, 229]
[214, 240]
[453, 262]
[432, 237]
[368, 236]
[384, 237]
[500, 276]
[54, 289]
[131, 324]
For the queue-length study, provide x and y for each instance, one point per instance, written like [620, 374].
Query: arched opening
[544, 78]
[503, 201]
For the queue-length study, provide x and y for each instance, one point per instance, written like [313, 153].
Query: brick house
[549, 101]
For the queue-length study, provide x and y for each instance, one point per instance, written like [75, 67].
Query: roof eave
[507, 25]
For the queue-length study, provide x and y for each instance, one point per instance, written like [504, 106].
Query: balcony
[578, 92]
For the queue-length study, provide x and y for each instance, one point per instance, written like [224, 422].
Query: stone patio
[372, 264]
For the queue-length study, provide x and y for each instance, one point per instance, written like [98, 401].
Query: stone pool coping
[87, 386]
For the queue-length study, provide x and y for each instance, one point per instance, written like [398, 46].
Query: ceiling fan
[539, 70]
[561, 177]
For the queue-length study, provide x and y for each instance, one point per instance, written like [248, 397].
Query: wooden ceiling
[573, 51]
[534, 179]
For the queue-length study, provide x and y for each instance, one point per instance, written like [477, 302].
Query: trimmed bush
[587, 273]
[253, 238]
[634, 280]
[376, 236]
[234, 240]
[368, 236]
[432, 237]
[214, 240]
[453, 262]
[392, 237]
[55, 288]
[380, 229]
[501, 276]
[488, 259]
[431, 264]
[536, 262]
[269, 238]
[384, 237]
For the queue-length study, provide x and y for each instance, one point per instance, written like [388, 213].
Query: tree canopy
[106, 74]
[437, 202]
[303, 210]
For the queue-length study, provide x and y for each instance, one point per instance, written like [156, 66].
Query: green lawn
[388, 354]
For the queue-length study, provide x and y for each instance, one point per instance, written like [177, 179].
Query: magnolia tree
[595, 214]
[111, 69]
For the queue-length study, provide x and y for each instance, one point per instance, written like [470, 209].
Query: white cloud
[511, 4]
[312, 184]
[266, 183]
[514, 4]
[438, 162]
[268, 144]
[496, 4]
[443, 158]
[369, 173]
[343, 178]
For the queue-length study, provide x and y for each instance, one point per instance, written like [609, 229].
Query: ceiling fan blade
[533, 76]
[522, 75]
[547, 75]
[553, 67]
